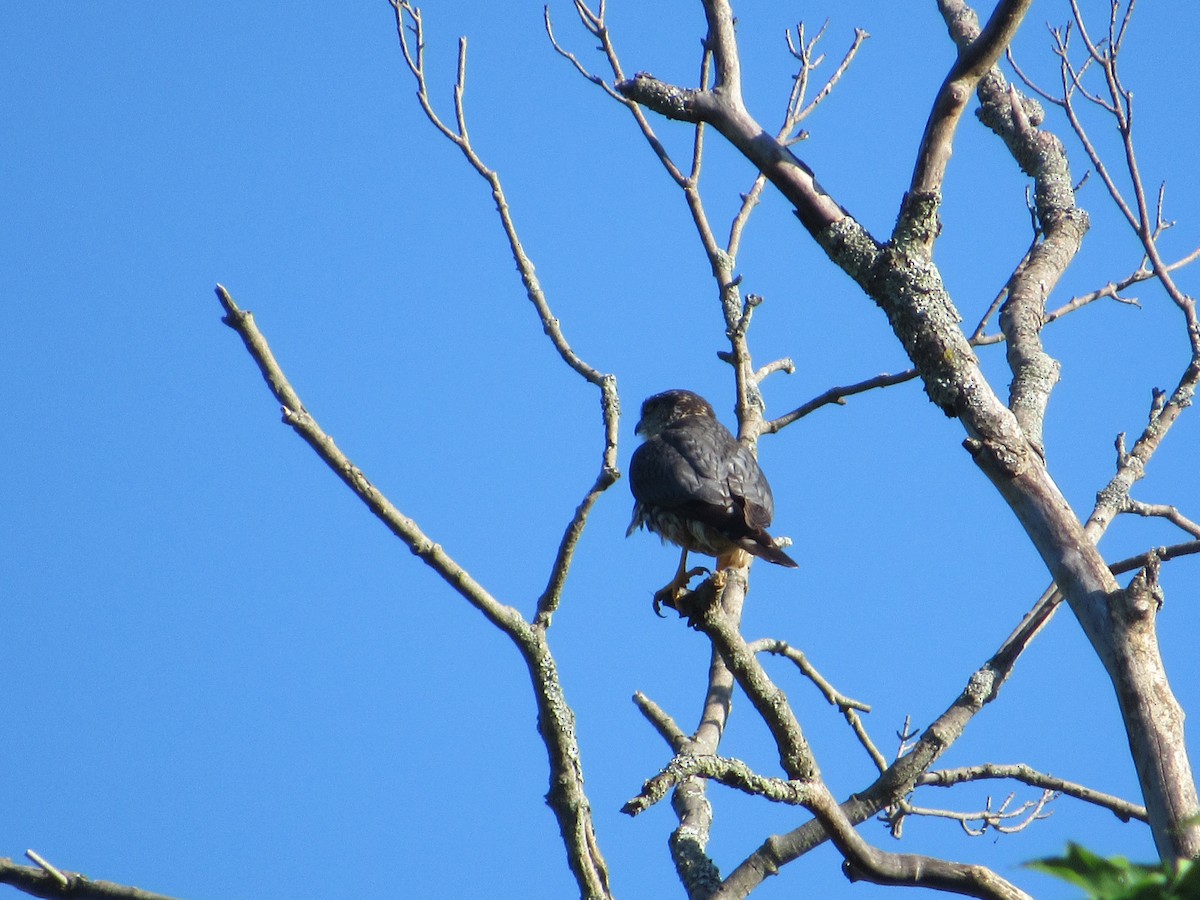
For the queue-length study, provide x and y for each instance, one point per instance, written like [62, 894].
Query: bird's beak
[638, 428]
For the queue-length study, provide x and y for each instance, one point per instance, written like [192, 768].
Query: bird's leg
[677, 586]
[734, 559]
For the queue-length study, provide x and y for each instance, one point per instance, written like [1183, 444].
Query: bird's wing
[669, 471]
[749, 486]
[697, 466]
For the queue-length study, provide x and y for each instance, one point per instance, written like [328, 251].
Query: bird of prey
[694, 485]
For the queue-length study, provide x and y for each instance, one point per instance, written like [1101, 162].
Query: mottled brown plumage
[697, 487]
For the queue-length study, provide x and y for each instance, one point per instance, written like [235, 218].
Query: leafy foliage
[1116, 878]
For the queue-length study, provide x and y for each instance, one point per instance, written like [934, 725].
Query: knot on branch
[1010, 460]
[665, 99]
[1144, 596]
[982, 688]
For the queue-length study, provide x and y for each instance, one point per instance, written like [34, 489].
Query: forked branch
[556, 721]
[410, 29]
[1122, 809]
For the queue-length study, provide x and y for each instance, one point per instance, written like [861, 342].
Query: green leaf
[1116, 878]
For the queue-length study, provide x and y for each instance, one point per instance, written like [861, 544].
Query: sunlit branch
[838, 395]
[46, 880]
[847, 706]
[302, 422]
[1164, 511]
[574, 60]
[555, 717]
[795, 755]
[409, 23]
[1111, 290]
[732, 773]
[594, 23]
[1002, 820]
[974, 61]
[1119, 105]
[1174, 551]
[1122, 809]
[803, 51]
[1060, 227]
[867, 863]
[662, 722]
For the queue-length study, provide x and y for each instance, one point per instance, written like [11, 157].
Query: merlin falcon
[694, 485]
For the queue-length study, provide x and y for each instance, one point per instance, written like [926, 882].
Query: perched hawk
[697, 487]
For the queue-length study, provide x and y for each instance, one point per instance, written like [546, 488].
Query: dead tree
[1003, 437]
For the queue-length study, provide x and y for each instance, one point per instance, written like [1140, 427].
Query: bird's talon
[693, 605]
[669, 596]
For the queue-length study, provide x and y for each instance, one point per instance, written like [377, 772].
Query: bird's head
[669, 407]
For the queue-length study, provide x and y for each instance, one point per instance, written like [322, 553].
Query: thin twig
[988, 819]
[847, 706]
[408, 21]
[838, 395]
[1164, 511]
[1122, 809]
[47, 868]
[661, 720]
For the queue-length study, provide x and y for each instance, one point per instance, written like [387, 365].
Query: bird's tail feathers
[764, 548]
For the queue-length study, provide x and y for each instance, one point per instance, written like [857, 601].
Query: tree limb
[47, 881]
[556, 721]
[975, 58]
[901, 278]
[1122, 809]
[847, 706]
[1042, 156]
[409, 23]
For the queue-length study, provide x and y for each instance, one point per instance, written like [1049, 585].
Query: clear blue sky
[225, 679]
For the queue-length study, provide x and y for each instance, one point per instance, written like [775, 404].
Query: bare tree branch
[1062, 225]
[47, 881]
[803, 51]
[902, 280]
[1002, 819]
[409, 22]
[1164, 511]
[556, 720]
[838, 395]
[722, 107]
[1122, 809]
[1164, 554]
[662, 722]
[867, 863]
[732, 773]
[688, 842]
[975, 59]
[295, 415]
[847, 706]
[574, 60]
